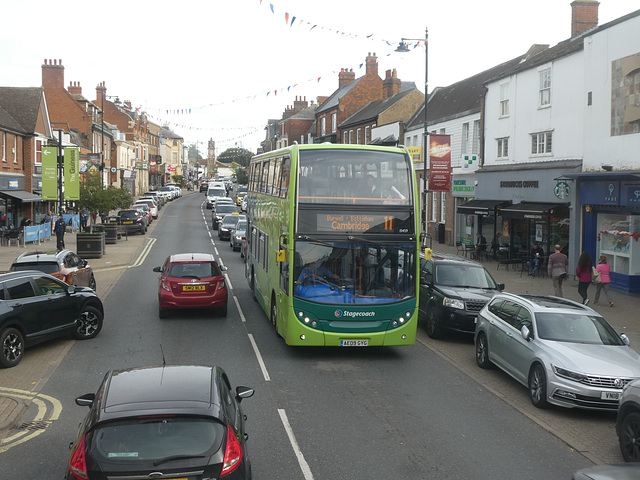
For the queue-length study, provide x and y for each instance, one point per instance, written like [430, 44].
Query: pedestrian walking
[59, 228]
[583, 272]
[604, 269]
[84, 217]
[558, 268]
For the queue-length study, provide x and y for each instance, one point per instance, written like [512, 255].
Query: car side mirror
[71, 289]
[500, 286]
[526, 333]
[223, 268]
[243, 392]
[625, 339]
[86, 400]
[84, 263]
[157, 269]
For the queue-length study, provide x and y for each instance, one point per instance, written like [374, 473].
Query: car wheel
[630, 437]
[12, 347]
[434, 328]
[90, 323]
[92, 282]
[538, 386]
[482, 351]
[163, 313]
[274, 312]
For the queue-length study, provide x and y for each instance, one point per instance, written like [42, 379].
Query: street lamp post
[425, 144]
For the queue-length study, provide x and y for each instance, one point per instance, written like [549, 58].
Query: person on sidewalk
[558, 268]
[60, 227]
[604, 269]
[537, 256]
[583, 272]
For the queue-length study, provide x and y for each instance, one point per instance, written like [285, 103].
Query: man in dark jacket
[60, 227]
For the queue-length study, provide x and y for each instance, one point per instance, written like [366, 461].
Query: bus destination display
[362, 223]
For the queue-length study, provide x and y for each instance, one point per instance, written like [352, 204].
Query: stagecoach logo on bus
[347, 313]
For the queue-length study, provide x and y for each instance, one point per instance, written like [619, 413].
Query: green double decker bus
[333, 244]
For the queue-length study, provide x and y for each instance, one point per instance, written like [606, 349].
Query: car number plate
[354, 343]
[610, 395]
[126, 222]
[192, 288]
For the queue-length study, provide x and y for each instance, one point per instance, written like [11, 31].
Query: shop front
[610, 204]
[536, 205]
[482, 216]
[15, 202]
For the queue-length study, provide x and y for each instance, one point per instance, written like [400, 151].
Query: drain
[31, 426]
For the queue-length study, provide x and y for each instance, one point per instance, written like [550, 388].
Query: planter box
[90, 245]
[110, 233]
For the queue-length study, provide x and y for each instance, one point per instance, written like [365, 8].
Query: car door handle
[17, 305]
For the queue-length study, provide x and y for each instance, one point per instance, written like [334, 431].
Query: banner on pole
[49, 173]
[72, 173]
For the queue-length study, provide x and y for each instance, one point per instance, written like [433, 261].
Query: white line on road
[235, 299]
[263, 367]
[304, 466]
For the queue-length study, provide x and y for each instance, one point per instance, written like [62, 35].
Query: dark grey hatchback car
[168, 421]
[452, 292]
[35, 307]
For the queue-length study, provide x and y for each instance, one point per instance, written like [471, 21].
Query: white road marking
[304, 466]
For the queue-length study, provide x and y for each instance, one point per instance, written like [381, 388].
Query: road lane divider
[143, 255]
[304, 466]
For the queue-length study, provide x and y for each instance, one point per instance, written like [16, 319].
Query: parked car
[563, 351]
[237, 234]
[622, 471]
[214, 193]
[177, 188]
[144, 208]
[151, 203]
[35, 307]
[191, 280]
[167, 421]
[158, 197]
[168, 191]
[228, 223]
[65, 265]
[219, 213]
[133, 220]
[452, 292]
[628, 422]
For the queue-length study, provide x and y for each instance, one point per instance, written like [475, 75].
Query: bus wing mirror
[282, 255]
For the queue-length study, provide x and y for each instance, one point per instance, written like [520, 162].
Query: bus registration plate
[354, 343]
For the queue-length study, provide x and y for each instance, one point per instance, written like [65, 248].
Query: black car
[228, 223]
[134, 221]
[219, 213]
[452, 292]
[35, 307]
[168, 421]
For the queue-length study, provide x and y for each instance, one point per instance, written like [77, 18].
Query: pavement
[122, 255]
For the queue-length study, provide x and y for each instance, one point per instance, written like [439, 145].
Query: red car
[191, 280]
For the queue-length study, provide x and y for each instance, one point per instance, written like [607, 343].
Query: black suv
[452, 292]
[133, 221]
[35, 307]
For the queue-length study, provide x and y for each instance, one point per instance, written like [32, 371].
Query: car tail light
[221, 285]
[165, 286]
[78, 462]
[232, 453]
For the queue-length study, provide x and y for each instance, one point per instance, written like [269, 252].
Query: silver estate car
[563, 351]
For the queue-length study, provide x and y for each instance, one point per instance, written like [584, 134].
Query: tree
[96, 198]
[241, 156]
[194, 154]
[242, 176]
[177, 179]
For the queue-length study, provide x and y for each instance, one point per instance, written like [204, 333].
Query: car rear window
[226, 209]
[46, 267]
[154, 439]
[129, 214]
[193, 270]
[216, 192]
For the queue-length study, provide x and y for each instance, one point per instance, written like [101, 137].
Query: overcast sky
[229, 65]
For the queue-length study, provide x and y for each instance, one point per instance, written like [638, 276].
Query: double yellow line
[145, 251]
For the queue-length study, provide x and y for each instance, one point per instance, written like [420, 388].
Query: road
[423, 411]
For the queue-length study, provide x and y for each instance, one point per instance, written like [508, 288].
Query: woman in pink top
[604, 269]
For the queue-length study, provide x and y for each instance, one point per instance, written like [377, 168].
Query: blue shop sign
[632, 197]
[600, 193]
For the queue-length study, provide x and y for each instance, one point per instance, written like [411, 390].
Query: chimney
[75, 88]
[52, 74]
[101, 92]
[299, 105]
[321, 99]
[372, 64]
[584, 16]
[346, 76]
[391, 84]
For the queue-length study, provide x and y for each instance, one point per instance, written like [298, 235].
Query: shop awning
[23, 196]
[529, 210]
[480, 207]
